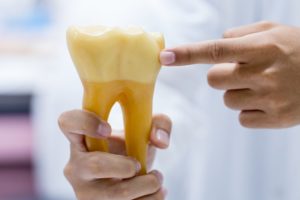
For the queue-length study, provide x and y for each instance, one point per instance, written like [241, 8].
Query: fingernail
[167, 57]
[138, 167]
[163, 137]
[104, 130]
[159, 176]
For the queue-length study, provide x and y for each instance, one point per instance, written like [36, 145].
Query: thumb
[161, 131]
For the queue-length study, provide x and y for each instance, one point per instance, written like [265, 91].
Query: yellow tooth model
[118, 65]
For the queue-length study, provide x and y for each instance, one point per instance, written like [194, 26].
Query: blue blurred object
[38, 18]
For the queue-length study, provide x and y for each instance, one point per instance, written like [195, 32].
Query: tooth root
[97, 100]
[136, 102]
[117, 65]
[137, 111]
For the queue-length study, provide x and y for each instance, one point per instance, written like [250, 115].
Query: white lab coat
[211, 156]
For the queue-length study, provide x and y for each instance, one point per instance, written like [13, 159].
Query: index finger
[209, 52]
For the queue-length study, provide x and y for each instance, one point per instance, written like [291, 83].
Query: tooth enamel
[118, 65]
[115, 54]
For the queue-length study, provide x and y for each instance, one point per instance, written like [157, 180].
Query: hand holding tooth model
[114, 175]
[115, 65]
[118, 65]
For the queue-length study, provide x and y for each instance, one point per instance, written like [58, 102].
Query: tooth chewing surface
[118, 65]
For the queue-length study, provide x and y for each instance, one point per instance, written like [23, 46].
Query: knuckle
[121, 189]
[273, 48]
[266, 89]
[215, 51]
[89, 167]
[96, 163]
[188, 55]
[153, 181]
[68, 171]
[76, 168]
[62, 121]
[101, 165]
[270, 73]
[268, 84]
[267, 24]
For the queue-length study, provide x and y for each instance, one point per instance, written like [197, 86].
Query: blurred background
[211, 156]
[23, 54]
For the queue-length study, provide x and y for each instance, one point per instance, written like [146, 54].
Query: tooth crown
[104, 54]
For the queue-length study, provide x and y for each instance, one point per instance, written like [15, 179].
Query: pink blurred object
[16, 183]
[15, 139]
[16, 178]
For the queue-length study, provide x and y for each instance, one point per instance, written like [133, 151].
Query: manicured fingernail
[163, 137]
[104, 130]
[138, 167]
[167, 57]
[159, 176]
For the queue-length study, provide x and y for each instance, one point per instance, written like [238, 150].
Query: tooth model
[118, 65]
